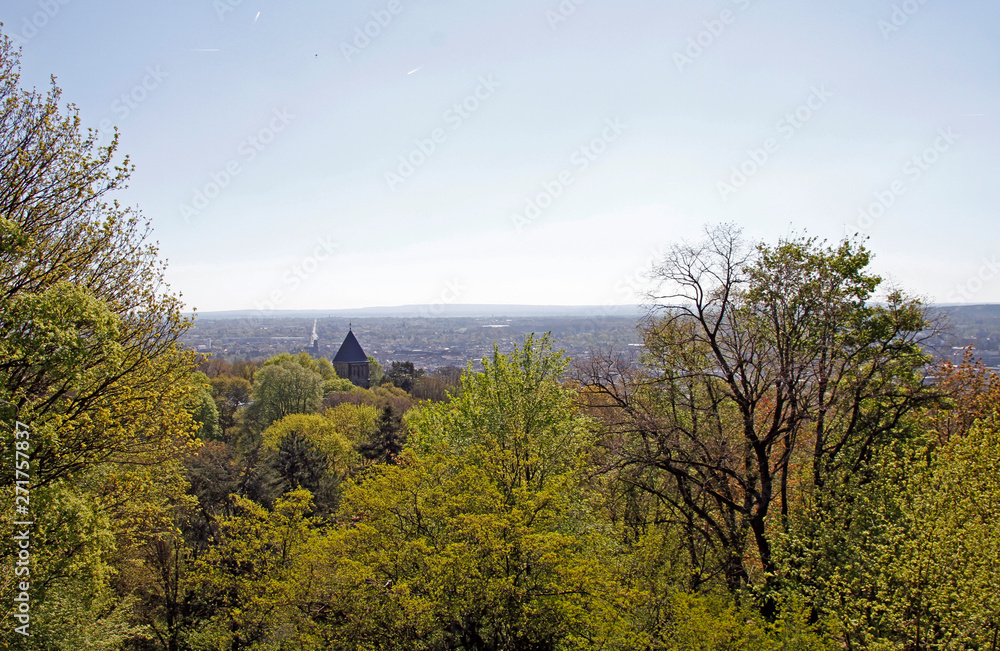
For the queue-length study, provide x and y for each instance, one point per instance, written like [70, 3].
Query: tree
[358, 423]
[229, 393]
[971, 391]
[479, 537]
[89, 362]
[246, 370]
[283, 388]
[515, 418]
[86, 322]
[950, 561]
[403, 375]
[910, 560]
[249, 585]
[203, 410]
[437, 556]
[709, 622]
[438, 385]
[213, 474]
[386, 442]
[770, 378]
[307, 451]
[321, 365]
[382, 396]
[375, 372]
[337, 385]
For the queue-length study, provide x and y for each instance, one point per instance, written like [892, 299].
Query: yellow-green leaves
[250, 581]
[437, 536]
[88, 362]
[515, 419]
[951, 557]
[320, 432]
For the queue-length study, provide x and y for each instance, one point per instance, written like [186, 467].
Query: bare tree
[769, 373]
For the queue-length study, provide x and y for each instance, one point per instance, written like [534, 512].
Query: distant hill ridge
[436, 311]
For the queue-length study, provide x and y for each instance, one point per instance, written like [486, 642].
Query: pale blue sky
[627, 132]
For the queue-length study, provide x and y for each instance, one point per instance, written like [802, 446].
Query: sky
[296, 154]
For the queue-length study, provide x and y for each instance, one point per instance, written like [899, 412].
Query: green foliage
[514, 419]
[358, 423]
[403, 375]
[438, 556]
[714, 623]
[298, 463]
[319, 431]
[306, 451]
[201, 405]
[319, 365]
[337, 384]
[951, 559]
[387, 440]
[375, 372]
[214, 473]
[840, 558]
[283, 388]
[74, 550]
[459, 548]
[229, 392]
[248, 583]
[89, 361]
[908, 558]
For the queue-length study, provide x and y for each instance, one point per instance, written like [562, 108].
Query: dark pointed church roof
[350, 351]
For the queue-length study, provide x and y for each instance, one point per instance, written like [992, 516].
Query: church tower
[351, 362]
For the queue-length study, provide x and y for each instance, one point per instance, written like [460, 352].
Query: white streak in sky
[256, 17]
[414, 70]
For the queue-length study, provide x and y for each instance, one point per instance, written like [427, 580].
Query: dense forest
[773, 469]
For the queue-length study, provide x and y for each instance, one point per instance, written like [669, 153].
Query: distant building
[351, 362]
[314, 348]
